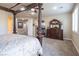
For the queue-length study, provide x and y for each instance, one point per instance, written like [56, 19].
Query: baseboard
[67, 38]
[75, 45]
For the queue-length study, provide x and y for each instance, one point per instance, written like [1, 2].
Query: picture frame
[20, 24]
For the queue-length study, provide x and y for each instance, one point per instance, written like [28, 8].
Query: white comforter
[19, 45]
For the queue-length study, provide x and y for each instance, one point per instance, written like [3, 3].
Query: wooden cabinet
[54, 31]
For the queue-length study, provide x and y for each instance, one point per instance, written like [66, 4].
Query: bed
[19, 45]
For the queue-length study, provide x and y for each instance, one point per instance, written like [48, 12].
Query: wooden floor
[53, 47]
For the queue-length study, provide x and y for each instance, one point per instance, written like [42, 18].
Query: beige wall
[75, 35]
[4, 21]
[66, 20]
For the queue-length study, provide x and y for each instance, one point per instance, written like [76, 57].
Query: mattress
[19, 45]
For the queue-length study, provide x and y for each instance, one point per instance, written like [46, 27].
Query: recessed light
[54, 8]
[33, 13]
[22, 8]
[32, 9]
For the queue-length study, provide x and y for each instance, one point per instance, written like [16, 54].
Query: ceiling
[49, 9]
[9, 5]
[57, 8]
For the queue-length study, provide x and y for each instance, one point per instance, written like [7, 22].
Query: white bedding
[19, 45]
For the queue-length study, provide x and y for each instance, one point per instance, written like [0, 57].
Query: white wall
[30, 27]
[4, 21]
[75, 35]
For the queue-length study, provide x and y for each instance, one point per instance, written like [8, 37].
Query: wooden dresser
[54, 31]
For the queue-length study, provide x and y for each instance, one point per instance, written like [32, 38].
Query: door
[10, 24]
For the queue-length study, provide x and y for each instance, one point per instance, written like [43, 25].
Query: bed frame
[39, 33]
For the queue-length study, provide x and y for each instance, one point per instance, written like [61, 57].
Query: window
[75, 20]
